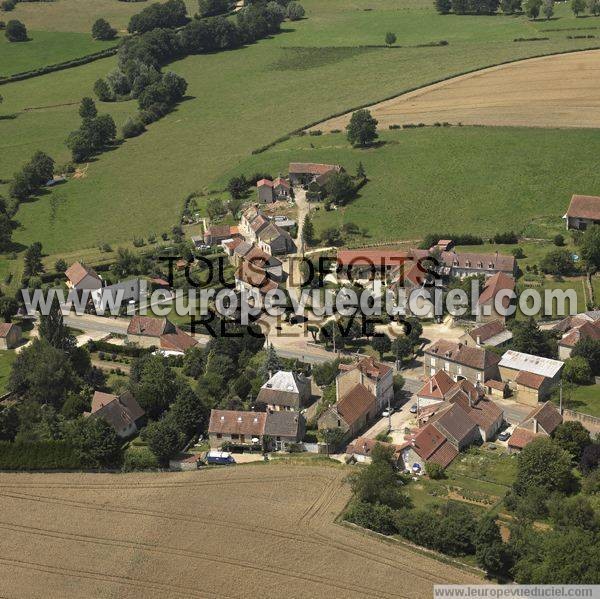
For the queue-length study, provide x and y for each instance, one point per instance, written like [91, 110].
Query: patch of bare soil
[251, 531]
[553, 91]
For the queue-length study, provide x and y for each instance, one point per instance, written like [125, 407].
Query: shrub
[506, 238]
[8, 5]
[133, 127]
[518, 253]
[41, 455]
[16, 31]
[295, 11]
[140, 458]
[377, 517]
[559, 240]
[101, 30]
[435, 471]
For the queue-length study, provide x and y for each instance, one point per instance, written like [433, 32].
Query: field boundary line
[60, 66]
[416, 548]
[409, 90]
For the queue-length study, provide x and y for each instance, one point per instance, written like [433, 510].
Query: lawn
[302, 75]
[584, 399]
[7, 357]
[46, 48]
[448, 180]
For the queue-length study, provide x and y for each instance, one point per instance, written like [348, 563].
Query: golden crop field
[247, 531]
[552, 91]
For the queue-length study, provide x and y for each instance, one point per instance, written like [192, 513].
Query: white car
[387, 413]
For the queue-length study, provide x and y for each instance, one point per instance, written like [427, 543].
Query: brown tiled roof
[258, 257]
[487, 331]
[355, 404]
[584, 207]
[587, 330]
[436, 386]
[547, 416]
[258, 223]
[283, 423]
[149, 327]
[474, 357]
[364, 446]
[255, 276]
[77, 272]
[496, 262]
[465, 389]
[444, 455]
[494, 285]
[231, 245]
[5, 328]
[530, 379]
[570, 322]
[455, 421]
[428, 440]
[264, 182]
[368, 366]
[484, 413]
[521, 437]
[311, 168]
[177, 341]
[281, 181]
[237, 422]
[498, 385]
[119, 411]
[379, 258]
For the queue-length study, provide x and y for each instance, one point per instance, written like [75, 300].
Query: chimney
[337, 391]
[478, 340]
[535, 425]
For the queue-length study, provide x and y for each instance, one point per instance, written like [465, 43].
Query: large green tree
[53, 329]
[362, 128]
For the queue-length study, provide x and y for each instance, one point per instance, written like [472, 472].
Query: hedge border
[297, 131]
[60, 66]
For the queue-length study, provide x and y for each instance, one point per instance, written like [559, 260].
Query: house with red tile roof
[376, 376]
[492, 333]
[585, 330]
[82, 277]
[540, 422]
[583, 212]
[270, 191]
[304, 173]
[122, 412]
[495, 298]
[352, 411]
[460, 361]
[361, 448]
[435, 389]
[161, 333]
[428, 445]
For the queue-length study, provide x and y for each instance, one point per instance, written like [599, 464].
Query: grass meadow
[240, 100]
[452, 180]
[45, 48]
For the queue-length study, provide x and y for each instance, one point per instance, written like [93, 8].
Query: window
[234, 436]
[219, 435]
[479, 376]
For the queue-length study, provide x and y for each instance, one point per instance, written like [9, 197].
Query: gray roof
[530, 363]
[284, 423]
[456, 422]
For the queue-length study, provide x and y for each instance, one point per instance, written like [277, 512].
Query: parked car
[387, 413]
[505, 436]
[219, 457]
[413, 409]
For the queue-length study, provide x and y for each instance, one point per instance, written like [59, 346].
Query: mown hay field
[553, 91]
[246, 531]
[237, 101]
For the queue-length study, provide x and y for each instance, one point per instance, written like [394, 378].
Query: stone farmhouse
[460, 361]
[270, 191]
[10, 335]
[304, 173]
[492, 333]
[494, 299]
[530, 378]
[161, 333]
[285, 390]
[585, 330]
[540, 422]
[583, 212]
[279, 428]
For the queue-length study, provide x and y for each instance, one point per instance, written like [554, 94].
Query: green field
[452, 180]
[46, 48]
[7, 357]
[243, 99]
[584, 399]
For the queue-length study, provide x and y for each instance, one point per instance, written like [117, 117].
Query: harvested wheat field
[250, 531]
[553, 91]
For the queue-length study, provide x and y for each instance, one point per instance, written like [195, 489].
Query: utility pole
[389, 415]
[560, 393]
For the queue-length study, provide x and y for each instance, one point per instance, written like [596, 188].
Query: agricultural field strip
[311, 517]
[547, 91]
